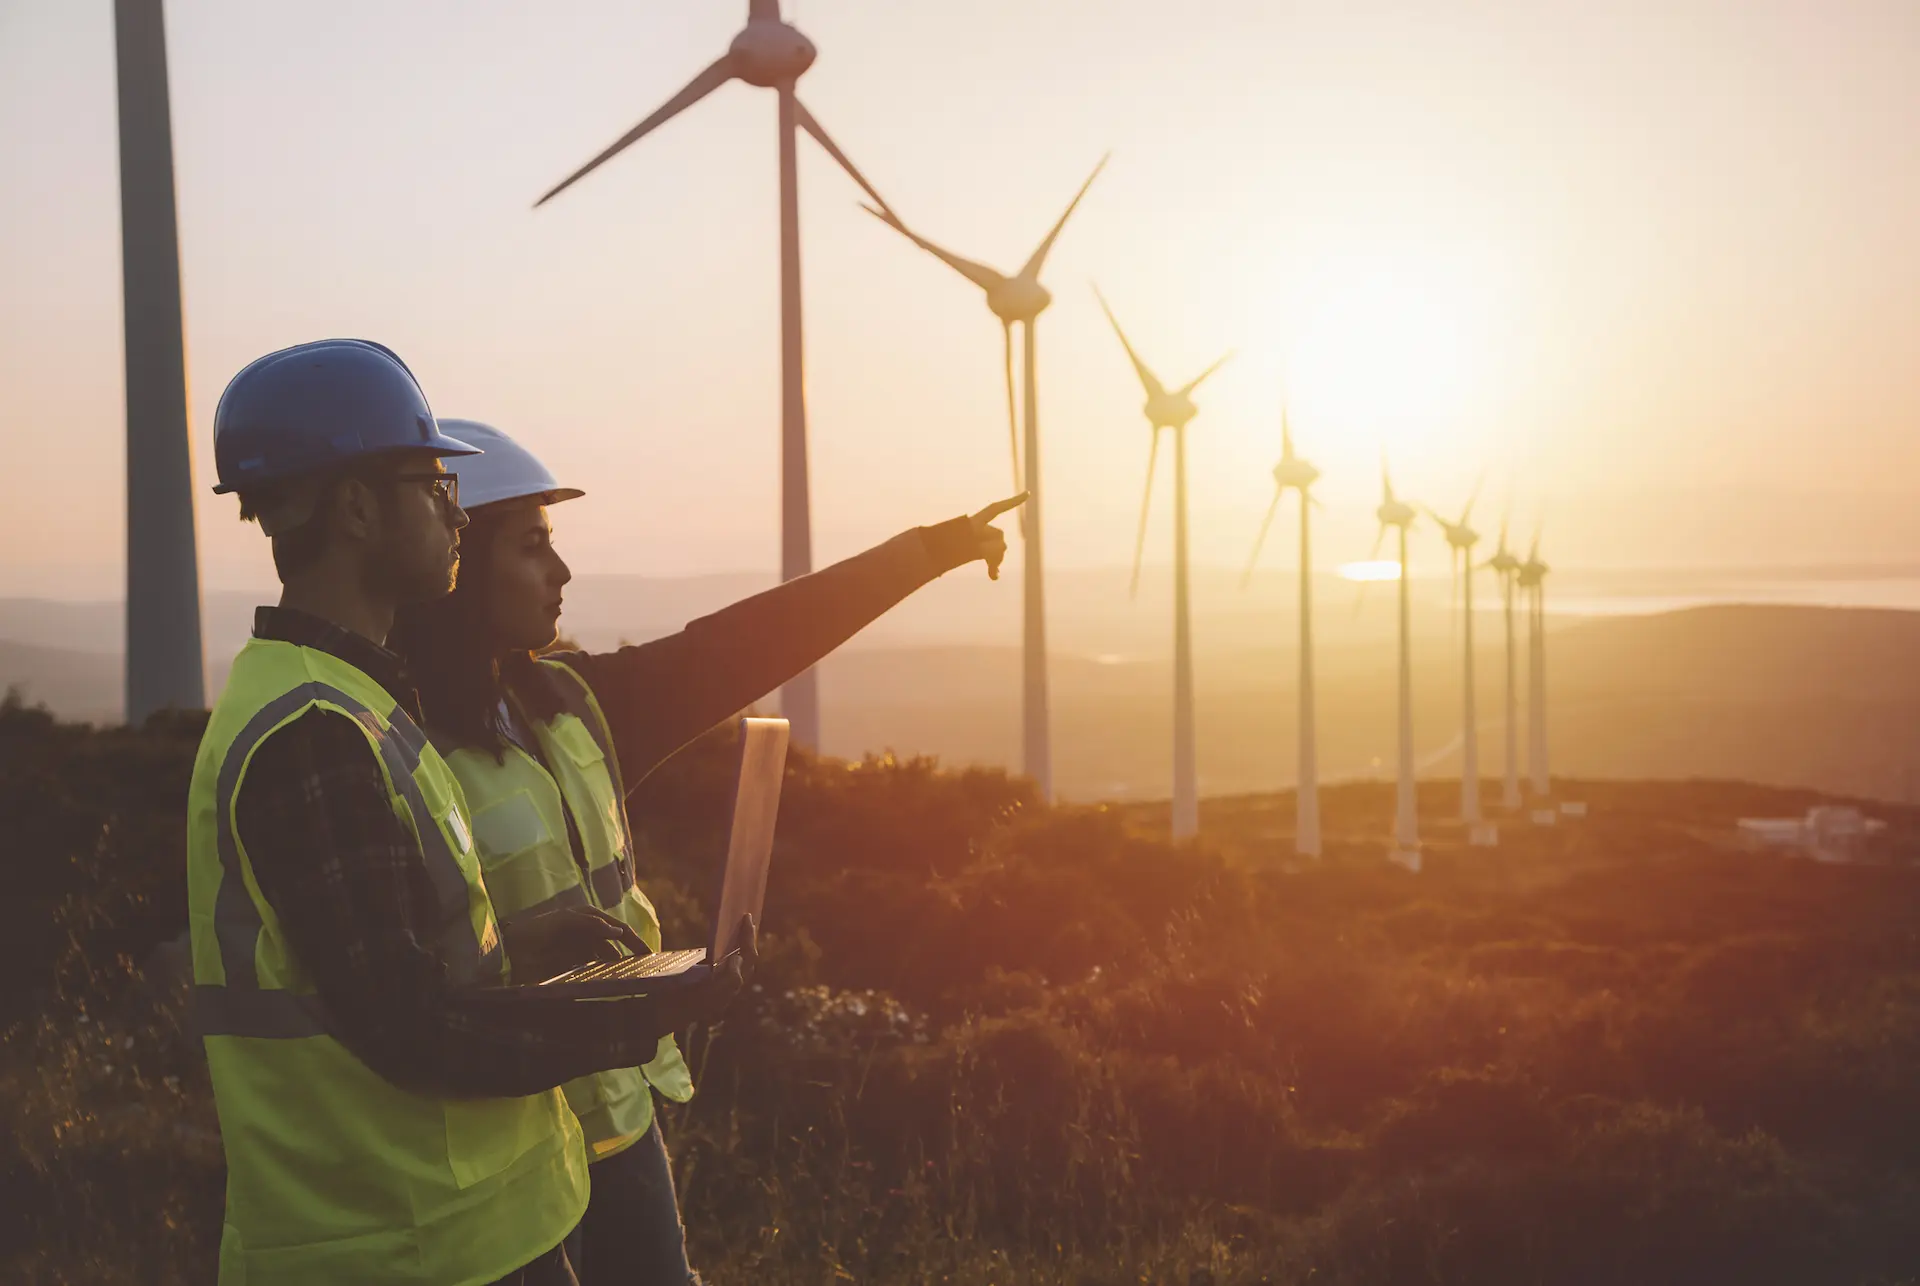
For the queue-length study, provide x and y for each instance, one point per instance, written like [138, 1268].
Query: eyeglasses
[445, 486]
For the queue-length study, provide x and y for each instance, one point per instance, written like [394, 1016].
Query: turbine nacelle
[1018, 299]
[1504, 562]
[1173, 409]
[768, 53]
[1396, 513]
[1294, 472]
[1459, 535]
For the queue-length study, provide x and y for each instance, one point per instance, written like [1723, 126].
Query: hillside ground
[992, 1042]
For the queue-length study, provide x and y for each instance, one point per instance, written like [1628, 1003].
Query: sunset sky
[1650, 266]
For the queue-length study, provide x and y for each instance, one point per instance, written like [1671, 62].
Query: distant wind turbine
[1295, 474]
[165, 666]
[1461, 538]
[1532, 577]
[771, 54]
[1507, 566]
[1172, 409]
[1399, 515]
[1020, 299]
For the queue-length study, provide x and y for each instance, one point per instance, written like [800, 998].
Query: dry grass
[997, 1044]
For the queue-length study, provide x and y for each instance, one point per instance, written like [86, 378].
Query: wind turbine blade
[1031, 269]
[1386, 485]
[1286, 432]
[1146, 502]
[1246, 577]
[1147, 378]
[763, 10]
[813, 127]
[1194, 383]
[978, 273]
[696, 89]
[1472, 499]
[1378, 538]
[1013, 425]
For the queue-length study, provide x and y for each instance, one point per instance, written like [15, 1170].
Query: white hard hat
[506, 470]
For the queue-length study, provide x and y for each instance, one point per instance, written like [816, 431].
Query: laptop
[743, 882]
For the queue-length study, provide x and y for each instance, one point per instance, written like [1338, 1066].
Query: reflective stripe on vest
[240, 1007]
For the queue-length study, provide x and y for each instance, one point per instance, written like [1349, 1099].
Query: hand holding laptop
[540, 946]
[717, 970]
[705, 1000]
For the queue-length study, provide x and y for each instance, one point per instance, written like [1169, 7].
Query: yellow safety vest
[333, 1173]
[520, 809]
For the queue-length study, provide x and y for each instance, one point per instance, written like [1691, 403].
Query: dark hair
[297, 548]
[460, 678]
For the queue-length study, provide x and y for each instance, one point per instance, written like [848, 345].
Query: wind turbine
[1532, 577]
[771, 54]
[1019, 299]
[164, 659]
[1398, 514]
[1172, 409]
[1461, 538]
[1295, 474]
[1506, 566]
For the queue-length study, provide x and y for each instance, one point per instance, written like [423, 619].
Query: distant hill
[1794, 696]
[78, 685]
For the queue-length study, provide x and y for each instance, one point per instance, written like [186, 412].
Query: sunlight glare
[1393, 346]
[1373, 569]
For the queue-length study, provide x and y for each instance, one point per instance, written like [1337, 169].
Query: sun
[1391, 348]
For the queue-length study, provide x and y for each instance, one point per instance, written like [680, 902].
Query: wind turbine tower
[1019, 300]
[1398, 515]
[1532, 577]
[1507, 566]
[1461, 538]
[164, 660]
[771, 54]
[1172, 409]
[1295, 474]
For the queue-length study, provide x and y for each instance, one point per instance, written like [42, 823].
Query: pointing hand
[992, 543]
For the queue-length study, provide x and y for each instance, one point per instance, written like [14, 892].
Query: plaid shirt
[347, 881]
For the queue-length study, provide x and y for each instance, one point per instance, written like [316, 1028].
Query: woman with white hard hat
[546, 748]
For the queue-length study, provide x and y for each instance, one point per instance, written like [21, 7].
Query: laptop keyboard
[648, 966]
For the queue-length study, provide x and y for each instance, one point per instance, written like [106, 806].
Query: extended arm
[660, 695]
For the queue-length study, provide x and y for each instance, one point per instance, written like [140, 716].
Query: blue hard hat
[317, 406]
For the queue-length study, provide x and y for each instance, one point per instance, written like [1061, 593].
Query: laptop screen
[756, 804]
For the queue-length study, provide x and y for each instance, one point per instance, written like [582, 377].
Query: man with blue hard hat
[383, 1120]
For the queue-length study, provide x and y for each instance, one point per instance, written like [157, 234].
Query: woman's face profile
[525, 576]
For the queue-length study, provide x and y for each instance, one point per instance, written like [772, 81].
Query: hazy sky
[1657, 255]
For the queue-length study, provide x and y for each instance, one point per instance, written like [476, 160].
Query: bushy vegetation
[992, 1042]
